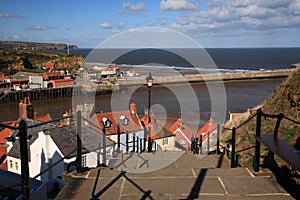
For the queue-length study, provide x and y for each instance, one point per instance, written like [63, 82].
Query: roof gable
[184, 129]
[207, 128]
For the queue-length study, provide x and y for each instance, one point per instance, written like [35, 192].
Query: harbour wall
[194, 78]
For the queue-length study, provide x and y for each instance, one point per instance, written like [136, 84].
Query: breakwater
[194, 78]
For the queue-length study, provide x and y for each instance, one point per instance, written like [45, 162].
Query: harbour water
[240, 96]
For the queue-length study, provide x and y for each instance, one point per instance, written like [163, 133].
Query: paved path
[189, 177]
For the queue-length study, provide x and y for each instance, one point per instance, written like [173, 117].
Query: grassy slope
[275, 104]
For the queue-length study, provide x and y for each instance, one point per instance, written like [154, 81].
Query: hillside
[277, 103]
[12, 61]
[34, 46]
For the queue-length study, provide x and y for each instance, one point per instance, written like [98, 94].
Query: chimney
[26, 109]
[67, 121]
[132, 108]
[180, 123]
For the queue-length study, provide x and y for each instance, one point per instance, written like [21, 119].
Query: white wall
[45, 153]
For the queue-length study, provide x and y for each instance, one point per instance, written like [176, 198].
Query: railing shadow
[194, 194]
[146, 194]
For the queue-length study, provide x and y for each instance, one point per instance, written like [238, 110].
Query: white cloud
[121, 25]
[37, 28]
[178, 5]
[241, 16]
[129, 8]
[8, 15]
[162, 21]
[15, 37]
[106, 25]
[5, 15]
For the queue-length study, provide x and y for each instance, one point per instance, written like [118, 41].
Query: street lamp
[149, 81]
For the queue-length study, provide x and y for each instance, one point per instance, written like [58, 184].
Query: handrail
[259, 114]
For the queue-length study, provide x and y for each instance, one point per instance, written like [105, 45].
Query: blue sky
[212, 23]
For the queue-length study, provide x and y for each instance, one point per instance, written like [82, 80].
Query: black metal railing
[137, 145]
[234, 154]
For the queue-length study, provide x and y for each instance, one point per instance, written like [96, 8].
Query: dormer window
[106, 122]
[124, 120]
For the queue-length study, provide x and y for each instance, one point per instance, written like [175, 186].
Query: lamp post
[149, 81]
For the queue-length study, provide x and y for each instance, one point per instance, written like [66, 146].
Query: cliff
[12, 61]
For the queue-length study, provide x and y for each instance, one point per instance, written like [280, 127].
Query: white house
[55, 147]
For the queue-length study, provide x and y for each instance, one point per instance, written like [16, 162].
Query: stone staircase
[187, 177]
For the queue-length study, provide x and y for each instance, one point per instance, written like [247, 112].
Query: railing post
[208, 145]
[233, 147]
[278, 124]
[218, 138]
[104, 146]
[79, 144]
[127, 142]
[137, 144]
[24, 160]
[119, 137]
[200, 143]
[133, 140]
[257, 143]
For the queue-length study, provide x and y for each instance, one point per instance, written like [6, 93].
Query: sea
[168, 100]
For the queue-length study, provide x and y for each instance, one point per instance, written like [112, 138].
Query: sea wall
[193, 78]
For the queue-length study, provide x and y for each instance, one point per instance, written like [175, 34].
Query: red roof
[6, 132]
[4, 78]
[184, 128]
[157, 128]
[114, 117]
[207, 128]
[44, 118]
[61, 80]
[49, 65]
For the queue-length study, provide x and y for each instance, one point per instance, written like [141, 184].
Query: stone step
[187, 177]
[207, 184]
[148, 162]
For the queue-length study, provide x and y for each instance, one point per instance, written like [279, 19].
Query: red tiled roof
[207, 128]
[114, 117]
[6, 132]
[157, 128]
[44, 118]
[61, 80]
[184, 129]
[49, 65]
[3, 78]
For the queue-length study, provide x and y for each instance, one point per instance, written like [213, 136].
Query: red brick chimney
[26, 109]
[132, 108]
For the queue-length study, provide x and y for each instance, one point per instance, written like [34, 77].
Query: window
[17, 166]
[182, 141]
[124, 120]
[11, 164]
[165, 141]
[83, 161]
